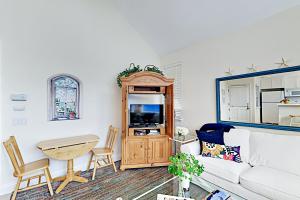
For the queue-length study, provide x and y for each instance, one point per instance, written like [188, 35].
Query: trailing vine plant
[136, 68]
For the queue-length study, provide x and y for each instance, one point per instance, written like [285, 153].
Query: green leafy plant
[136, 68]
[152, 68]
[183, 162]
[127, 72]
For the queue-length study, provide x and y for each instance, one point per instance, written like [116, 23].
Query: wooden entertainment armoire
[147, 150]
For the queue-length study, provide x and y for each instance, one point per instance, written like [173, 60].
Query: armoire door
[136, 151]
[158, 150]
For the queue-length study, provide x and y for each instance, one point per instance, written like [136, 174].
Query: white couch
[270, 167]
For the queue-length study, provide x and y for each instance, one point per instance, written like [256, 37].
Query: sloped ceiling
[168, 25]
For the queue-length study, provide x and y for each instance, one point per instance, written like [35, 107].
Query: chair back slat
[17, 151]
[112, 136]
[14, 153]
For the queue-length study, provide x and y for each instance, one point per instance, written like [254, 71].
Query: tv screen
[146, 114]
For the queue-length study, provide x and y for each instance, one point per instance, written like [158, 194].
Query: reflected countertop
[289, 104]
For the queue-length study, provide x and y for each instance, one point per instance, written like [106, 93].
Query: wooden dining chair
[29, 170]
[102, 157]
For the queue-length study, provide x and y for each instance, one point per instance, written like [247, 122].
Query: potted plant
[184, 166]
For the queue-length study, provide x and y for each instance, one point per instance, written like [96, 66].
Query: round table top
[68, 148]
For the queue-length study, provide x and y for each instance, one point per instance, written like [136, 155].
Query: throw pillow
[213, 132]
[216, 126]
[221, 151]
[213, 136]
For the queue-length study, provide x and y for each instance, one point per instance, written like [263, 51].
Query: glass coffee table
[171, 187]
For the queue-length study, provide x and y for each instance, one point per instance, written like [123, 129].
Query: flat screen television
[146, 114]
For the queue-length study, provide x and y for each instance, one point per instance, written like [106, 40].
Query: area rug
[107, 185]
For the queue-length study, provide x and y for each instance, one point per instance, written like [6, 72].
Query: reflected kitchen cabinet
[271, 82]
[277, 82]
[291, 82]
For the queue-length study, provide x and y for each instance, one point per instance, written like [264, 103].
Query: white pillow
[191, 148]
[239, 137]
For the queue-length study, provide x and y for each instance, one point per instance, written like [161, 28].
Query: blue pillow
[215, 136]
[213, 132]
[216, 126]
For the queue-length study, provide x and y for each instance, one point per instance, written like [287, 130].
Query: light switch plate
[19, 108]
[18, 97]
[19, 122]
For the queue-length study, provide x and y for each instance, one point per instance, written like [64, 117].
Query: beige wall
[262, 44]
[86, 38]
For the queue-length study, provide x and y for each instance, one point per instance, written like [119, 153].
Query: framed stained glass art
[64, 98]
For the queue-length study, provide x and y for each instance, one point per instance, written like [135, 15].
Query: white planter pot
[185, 182]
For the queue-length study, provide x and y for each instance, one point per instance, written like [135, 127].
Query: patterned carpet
[107, 185]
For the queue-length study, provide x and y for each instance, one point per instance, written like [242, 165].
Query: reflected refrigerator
[269, 100]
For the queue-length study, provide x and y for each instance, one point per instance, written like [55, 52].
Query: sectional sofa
[270, 167]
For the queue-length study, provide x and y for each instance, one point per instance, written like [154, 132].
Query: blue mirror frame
[254, 74]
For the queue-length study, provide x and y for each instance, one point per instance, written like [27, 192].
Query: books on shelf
[142, 132]
[217, 195]
[168, 197]
[153, 132]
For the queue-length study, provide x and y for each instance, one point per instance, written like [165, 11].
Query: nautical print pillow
[221, 151]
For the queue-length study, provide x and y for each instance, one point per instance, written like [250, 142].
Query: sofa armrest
[191, 148]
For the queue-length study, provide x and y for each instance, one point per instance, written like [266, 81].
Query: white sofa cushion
[239, 137]
[275, 151]
[228, 170]
[272, 183]
[191, 148]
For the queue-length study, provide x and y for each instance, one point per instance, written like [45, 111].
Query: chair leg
[17, 188]
[51, 179]
[47, 175]
[112, 162]
[90, 162]
[95, 168]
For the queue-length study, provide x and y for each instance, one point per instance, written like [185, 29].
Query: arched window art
[64, 97]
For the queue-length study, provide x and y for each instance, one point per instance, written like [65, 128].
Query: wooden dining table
[68, 149]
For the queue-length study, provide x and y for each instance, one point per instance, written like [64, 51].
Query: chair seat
[101, 151]
[34, 166]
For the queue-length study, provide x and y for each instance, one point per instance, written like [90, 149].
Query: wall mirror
[266, 99]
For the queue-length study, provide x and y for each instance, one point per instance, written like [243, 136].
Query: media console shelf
[160, 131]
[147, 150]
[146, 90]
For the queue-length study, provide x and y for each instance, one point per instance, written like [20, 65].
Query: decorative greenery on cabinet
[136, 68]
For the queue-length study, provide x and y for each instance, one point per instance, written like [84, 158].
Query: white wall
[84, 38]
[262, 44]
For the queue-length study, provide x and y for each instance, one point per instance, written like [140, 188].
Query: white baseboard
[9, 187]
